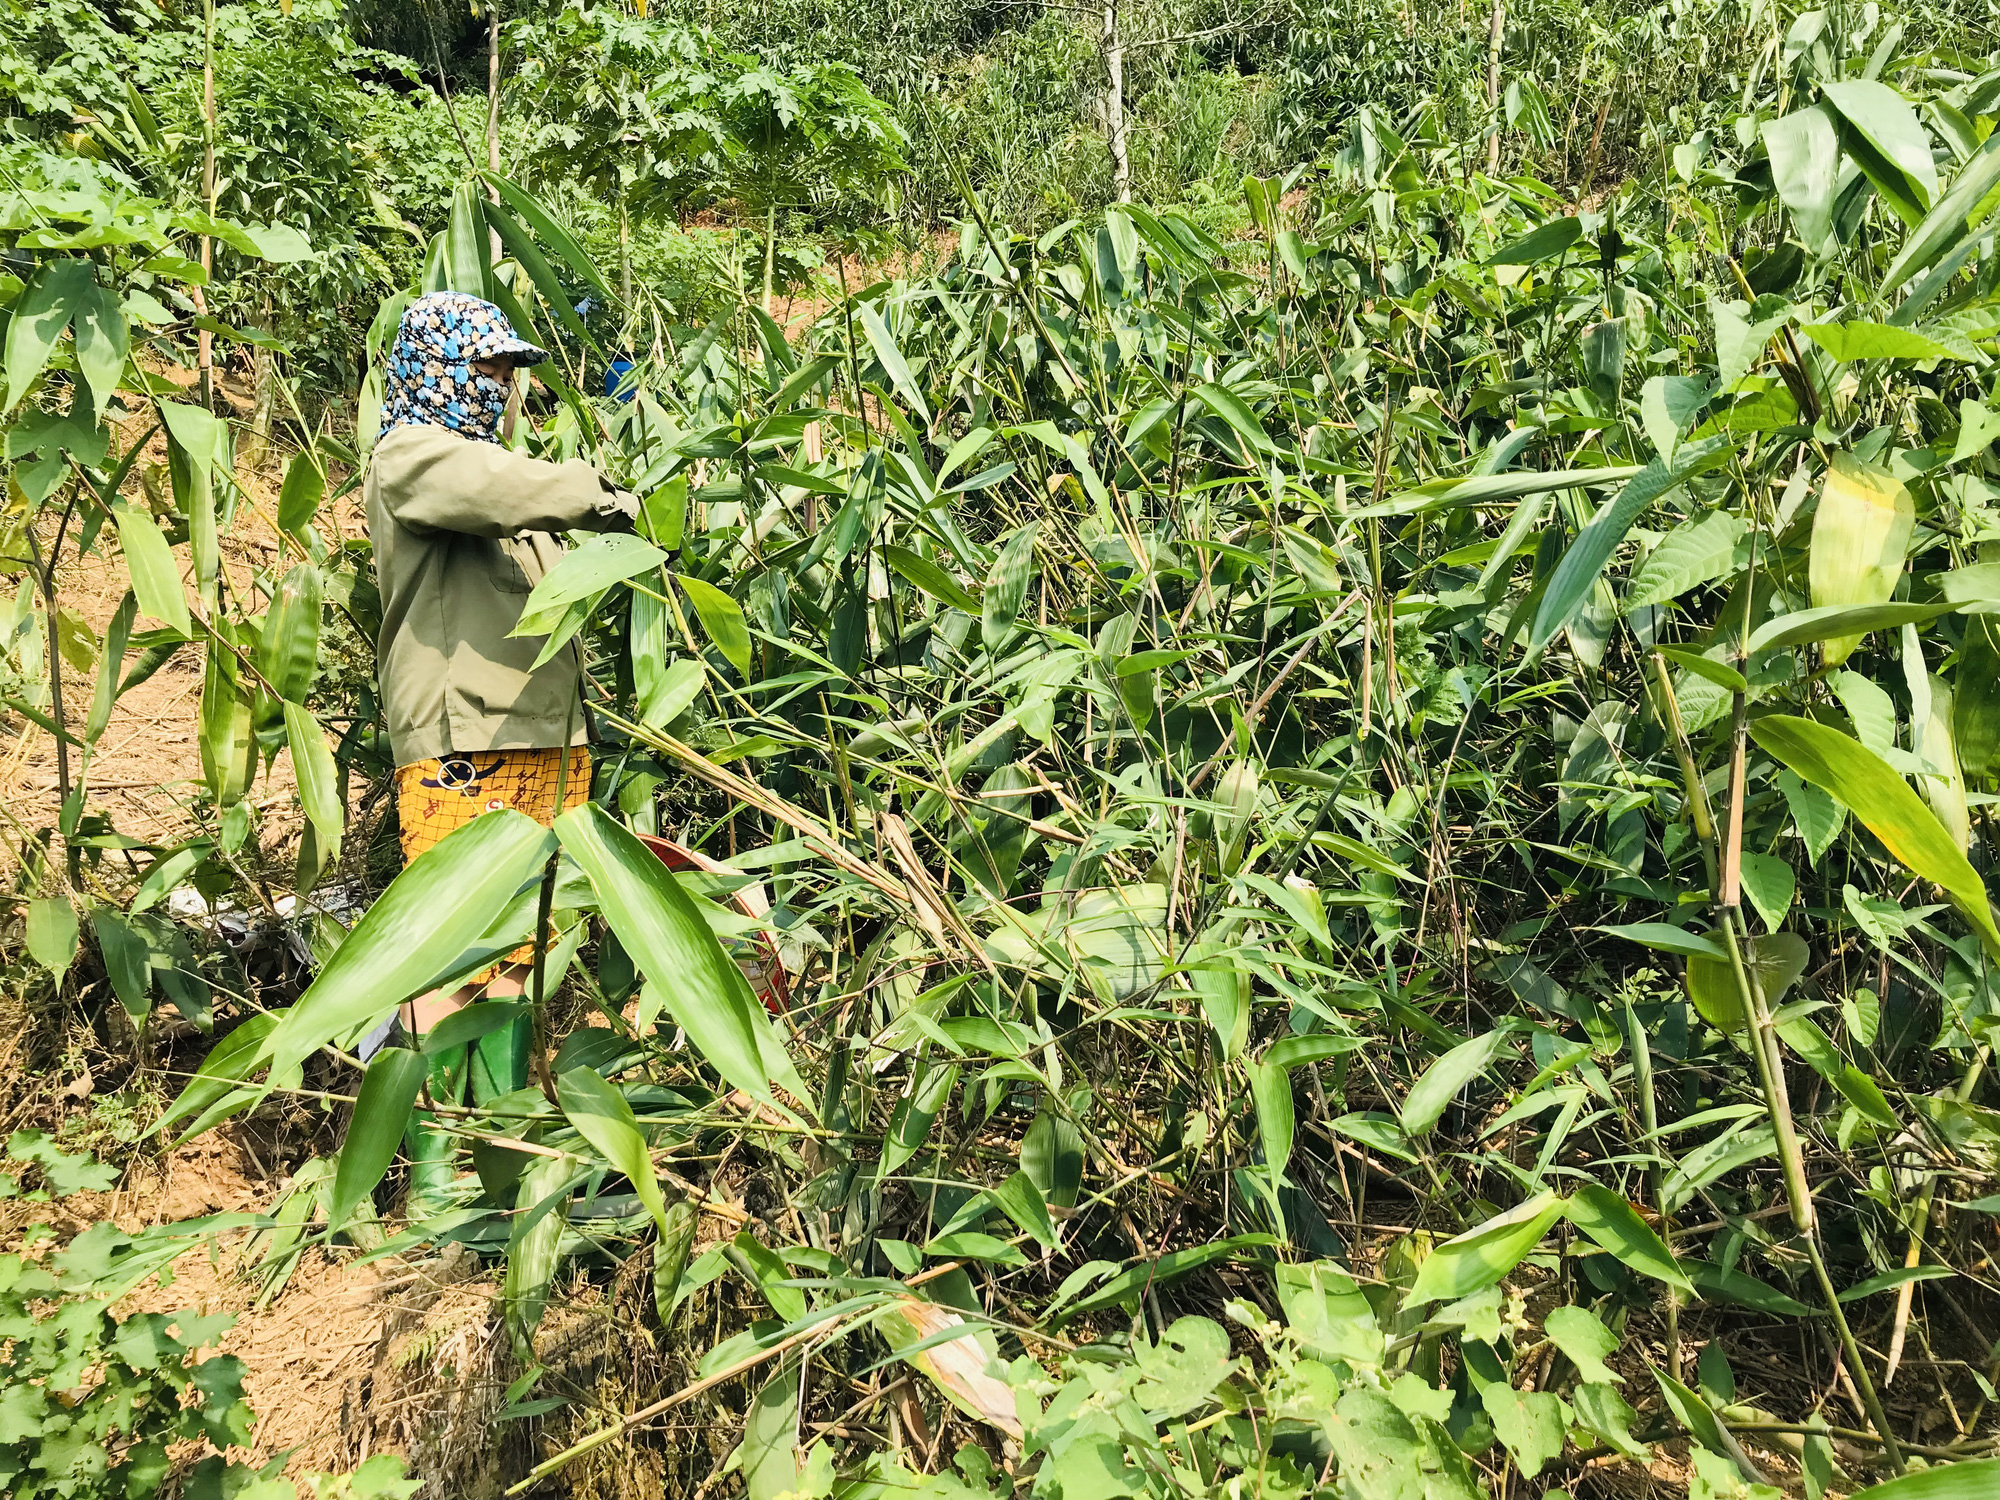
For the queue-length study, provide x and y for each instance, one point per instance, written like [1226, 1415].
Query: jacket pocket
[516, 569]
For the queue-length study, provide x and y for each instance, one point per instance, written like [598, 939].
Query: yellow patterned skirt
[436, 797]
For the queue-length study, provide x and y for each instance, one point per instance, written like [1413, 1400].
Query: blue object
[613, 377]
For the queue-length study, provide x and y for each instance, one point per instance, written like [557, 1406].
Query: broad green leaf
[1531, 1425]
[1769, 883]
[127, 965]
[658, 924]
[40, 315]
[388, 1090]
[550, 228]
[469, 1023]
[1886, 805]
[1612, 1223]
[1804, 151]
[318, 777]
[722, 618]
[1606, 1413]
[911, 1119]
[931, 578]
[1693, 1414]
[1694, 552]
[1584, 1341]
[51, 931]
[303, 489]
[1007, 588]
[1978, 429]
[1952, 215]
[1669, 939]
[1707, 668]
[1441, 1082]
[602, 1117]
[1222, 985]
[1816, 815]
[288, 651]
[883, 342]
[1162, 1271]
[1888, 142]
[1485, 489]
[1480, 1257]
[1804, 1037]
[1235, 411]
[439, 906]
[771, 1435]
[1543, 243]
[467, 250]
[1975, 698]
[1734, 1286]
[1852, 621]
[1775, 960]
[202, 435]
[103, 343]
[156, 577]
[534, 1249]
[1849, 340]
[1271, 1093]
[521, 245]
[227, 729]
[110, 668]
[1577, 573]
[668, 697]
[1022, 1201]
[1052, 1156]
[1968, 1479]
[607, 558]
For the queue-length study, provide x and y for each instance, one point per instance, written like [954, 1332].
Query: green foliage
[1224, 721]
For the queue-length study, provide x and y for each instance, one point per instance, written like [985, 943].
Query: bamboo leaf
[1615, 1225]
[1443, 1079]
[156, 578]
[1577, 573]
[1850, 620]
[318, 777]
[41, 314]
[388, 1090]
[657, 923]
[302, 491]
[288, 651]
[1475, 1260]
[1884, 803]
[722, 618]
[1861, 531]
[602, 1117]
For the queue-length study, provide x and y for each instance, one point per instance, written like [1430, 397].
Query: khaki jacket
[462, 531]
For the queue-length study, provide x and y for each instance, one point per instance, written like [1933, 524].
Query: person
[463, 528]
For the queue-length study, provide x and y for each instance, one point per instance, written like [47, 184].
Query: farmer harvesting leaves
[463, 528]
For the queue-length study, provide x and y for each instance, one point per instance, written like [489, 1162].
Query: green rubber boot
[500, 1060]
[431, 1150]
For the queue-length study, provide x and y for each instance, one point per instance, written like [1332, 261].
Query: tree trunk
[624, 252]
[493, 115]
[204, 340]
[1114, 103]
[1493, 36]
[264, 388]
[770, 253]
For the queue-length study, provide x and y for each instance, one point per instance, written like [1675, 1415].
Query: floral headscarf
[430, 381]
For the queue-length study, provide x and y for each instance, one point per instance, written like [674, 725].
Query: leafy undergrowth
[1375, 836]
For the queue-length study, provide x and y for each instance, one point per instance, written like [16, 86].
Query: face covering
[429, 380]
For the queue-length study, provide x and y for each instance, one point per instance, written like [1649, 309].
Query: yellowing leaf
[1860, 534]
